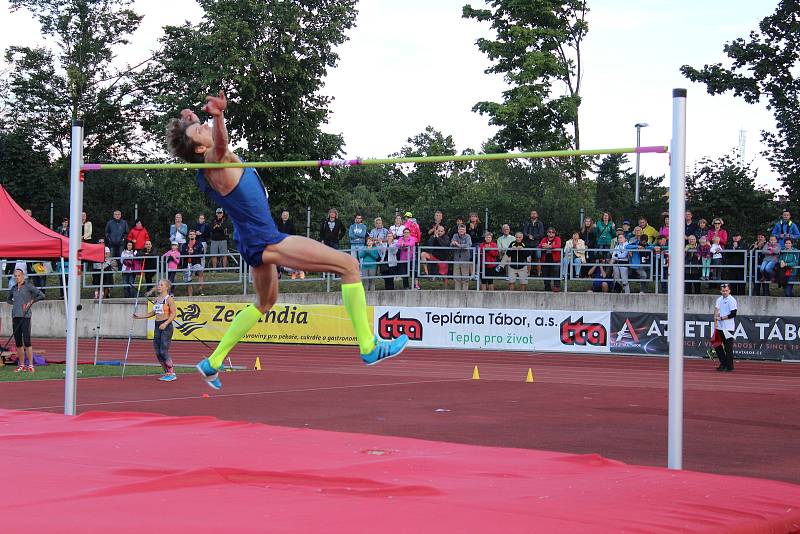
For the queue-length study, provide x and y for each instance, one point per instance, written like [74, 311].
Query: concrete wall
[49, 316]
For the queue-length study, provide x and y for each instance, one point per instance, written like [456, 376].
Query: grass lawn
[56, 371]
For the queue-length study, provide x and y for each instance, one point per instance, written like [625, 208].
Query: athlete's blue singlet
[248, 207]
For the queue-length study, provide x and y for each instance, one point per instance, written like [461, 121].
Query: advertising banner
[761, 338]
[504, 329]
[284, 323]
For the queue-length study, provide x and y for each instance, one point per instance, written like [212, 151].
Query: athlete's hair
[181, 145]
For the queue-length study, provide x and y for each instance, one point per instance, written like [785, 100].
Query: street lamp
[638, 126]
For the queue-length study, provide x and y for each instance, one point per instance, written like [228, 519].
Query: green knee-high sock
[241, 324]
[355, 302]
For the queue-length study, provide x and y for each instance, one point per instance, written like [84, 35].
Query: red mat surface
[135, 472]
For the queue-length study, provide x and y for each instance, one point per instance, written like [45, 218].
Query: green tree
[271, 58]
[616, 187]
[538, 51]
[723, 188]
[27, 175]
[763, 69]
[48, 86]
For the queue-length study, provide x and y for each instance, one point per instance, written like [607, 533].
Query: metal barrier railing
[549, 272]
[639, 264]
[762, 274]
[428, 264]
[460, 264]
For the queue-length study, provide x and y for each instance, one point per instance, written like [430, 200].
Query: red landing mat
[133, 472]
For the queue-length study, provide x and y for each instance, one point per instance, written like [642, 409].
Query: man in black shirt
[518, 262]
[219, 238]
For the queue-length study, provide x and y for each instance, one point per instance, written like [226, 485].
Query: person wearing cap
[416, 232]
[724, 312]
[219, 239]
[21, 296]
[411, 223]
[627, 231]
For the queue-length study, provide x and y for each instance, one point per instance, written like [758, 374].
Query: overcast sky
[414, 63]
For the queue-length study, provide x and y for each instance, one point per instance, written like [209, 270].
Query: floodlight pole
[677, 214]
[74, 283]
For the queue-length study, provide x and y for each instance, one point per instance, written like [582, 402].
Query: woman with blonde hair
[164, 310]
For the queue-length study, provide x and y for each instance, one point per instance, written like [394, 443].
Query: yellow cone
[257, 366]
[529, 378]
[475, 374]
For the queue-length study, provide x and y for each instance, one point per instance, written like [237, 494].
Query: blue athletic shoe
[210, 375]
[385, 349]
[169, 378]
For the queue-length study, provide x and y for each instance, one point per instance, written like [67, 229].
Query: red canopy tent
[24, 238]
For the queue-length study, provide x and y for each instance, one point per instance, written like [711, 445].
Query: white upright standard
[675, 325]
[74, 282]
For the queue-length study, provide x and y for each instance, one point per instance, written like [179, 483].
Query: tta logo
[578, 333]
[394, 327]
[185, 323]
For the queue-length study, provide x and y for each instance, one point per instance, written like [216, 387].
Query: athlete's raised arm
[215, 106]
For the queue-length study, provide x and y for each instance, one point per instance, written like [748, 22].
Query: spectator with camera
[178, 230]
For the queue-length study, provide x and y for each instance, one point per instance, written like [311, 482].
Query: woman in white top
[128, 275]
[397, 228]
[164, 311]
[575, 254]
[620, 261]
[388, 252]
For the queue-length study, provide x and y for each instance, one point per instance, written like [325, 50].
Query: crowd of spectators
[607, 256]
[130, 251]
